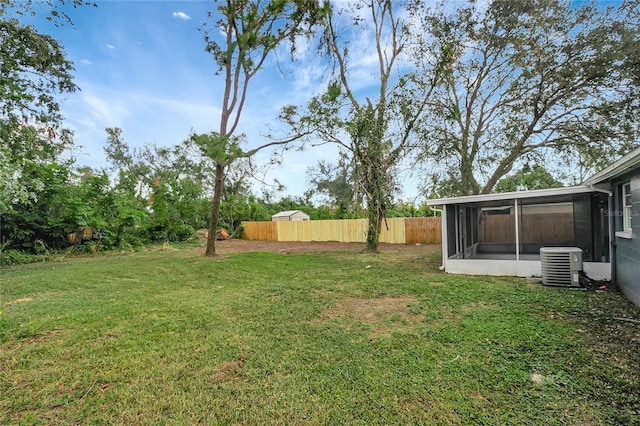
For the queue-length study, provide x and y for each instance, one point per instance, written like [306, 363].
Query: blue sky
[141, 66]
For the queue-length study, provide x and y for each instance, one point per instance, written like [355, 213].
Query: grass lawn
[169, 337]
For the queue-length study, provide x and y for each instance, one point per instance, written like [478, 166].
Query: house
[622, 180]
[290, 216]
[501, 234]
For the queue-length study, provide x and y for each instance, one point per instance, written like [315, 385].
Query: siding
[628, 250]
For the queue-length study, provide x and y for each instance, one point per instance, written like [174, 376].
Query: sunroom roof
[519, 195]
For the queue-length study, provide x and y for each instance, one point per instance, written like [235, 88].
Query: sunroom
[502, 234]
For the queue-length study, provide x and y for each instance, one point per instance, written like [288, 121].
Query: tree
[528, 178]
[40, 225]
[529, 81]
[34, 70]
[377, 130]
[337, 183]
[169, 184]
[251, 31]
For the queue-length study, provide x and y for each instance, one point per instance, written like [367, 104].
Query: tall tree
[169, 184]
[34, 70]
[251, 30]
[529, 80]
[376, 123]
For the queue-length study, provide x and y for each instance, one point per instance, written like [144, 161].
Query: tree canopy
[528, 178]
[527, 80]
[481, 96]
[34, 71]
[375, 127]
[251, 31]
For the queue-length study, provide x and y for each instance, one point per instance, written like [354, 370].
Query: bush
[180, 233]
[17, 257]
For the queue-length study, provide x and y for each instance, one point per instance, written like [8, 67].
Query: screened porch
[501, 234]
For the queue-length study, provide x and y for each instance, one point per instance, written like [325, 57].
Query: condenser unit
[561, 266]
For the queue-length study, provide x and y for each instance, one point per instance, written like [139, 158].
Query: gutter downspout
[516, 216]
[443, 235]
[612, 231]
[437, 210]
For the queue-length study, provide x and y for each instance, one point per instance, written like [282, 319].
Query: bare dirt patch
[286, 247]
[372, 310]
[229, 369]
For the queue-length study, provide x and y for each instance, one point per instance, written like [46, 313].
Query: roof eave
[616, 169]
[511, 195]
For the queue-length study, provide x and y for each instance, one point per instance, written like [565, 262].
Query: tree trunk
[373, 231]
[215, 211]
[375, 208]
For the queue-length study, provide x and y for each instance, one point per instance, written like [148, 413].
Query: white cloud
[86, 62]
[110, 46]
[143, 117]
[181, 15]
[102, 110]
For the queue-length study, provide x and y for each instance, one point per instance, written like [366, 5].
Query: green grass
[170, 337]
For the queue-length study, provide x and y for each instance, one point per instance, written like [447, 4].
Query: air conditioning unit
[561, 266]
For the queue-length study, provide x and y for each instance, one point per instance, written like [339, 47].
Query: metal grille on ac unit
[561, 266]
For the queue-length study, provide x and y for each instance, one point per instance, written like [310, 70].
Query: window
[626, 206]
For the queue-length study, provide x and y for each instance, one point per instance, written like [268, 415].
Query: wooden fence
[534, 228]
[395, 230]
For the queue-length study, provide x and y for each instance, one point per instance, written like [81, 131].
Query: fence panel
[394, 230]
[265, 231]
[547, 228]
[533, 227]
[350, 230]
[293, 231]
[426, 230]
[497, 229]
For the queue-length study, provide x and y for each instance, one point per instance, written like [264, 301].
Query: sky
[141, 66]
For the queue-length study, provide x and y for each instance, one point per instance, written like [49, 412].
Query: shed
[290, 216]
[501, 234]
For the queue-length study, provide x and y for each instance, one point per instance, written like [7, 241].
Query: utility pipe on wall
[517, 232]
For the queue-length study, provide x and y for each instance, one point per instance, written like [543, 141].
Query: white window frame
[626, 206]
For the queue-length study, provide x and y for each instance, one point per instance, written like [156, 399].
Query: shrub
[17, 257]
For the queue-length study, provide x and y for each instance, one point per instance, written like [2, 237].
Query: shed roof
[289, 213]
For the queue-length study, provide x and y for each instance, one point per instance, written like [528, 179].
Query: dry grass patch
[374, 310]
[21, 300]
[383, 314]
[474, 306]
[229, 370]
